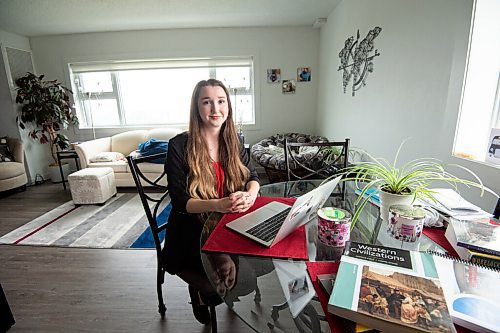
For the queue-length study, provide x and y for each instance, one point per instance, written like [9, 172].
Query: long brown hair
[202, 180]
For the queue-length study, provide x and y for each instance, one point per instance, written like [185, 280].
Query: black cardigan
[182, 239]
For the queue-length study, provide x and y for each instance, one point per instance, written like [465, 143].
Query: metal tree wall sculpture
[356, 60]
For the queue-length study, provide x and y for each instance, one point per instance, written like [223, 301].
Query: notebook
[274, 221]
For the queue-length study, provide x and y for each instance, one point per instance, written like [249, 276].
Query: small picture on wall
[304, 74]
[288, 87]
[273, 75]
[493, 153]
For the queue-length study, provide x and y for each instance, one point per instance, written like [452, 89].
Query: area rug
[119, 224]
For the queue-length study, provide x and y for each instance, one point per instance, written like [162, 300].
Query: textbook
[478, 258]
[390, 289]
[407, 291]
[480, 235]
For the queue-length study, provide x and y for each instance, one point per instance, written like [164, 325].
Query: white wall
[286, 48]
[416, 85]
[35, 153]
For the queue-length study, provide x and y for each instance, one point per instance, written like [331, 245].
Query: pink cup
[406, 222]
[334, 226]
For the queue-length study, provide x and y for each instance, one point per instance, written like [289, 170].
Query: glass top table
[259, 289]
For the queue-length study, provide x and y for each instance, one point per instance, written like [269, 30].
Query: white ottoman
[92, 185]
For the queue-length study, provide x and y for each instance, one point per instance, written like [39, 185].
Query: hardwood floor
[52, 289]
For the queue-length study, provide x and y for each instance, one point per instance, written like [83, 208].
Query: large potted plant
[403, 184]
[47, 108]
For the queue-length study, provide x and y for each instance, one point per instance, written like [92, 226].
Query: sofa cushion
[107, 157]
[162, 133]
[11, 170]
[127, 142]
[151, 167]
[87, 149]
[117, 166]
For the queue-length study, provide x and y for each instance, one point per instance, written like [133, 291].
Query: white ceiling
[48, 17]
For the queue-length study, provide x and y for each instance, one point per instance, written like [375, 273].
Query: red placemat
[324, 267]
[437, 236]
[225, 240]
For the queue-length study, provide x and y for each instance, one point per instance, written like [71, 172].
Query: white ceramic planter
[55, 174]
[389, 199]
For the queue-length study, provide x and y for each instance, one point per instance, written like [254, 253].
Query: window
[479, 119]
[156, 92]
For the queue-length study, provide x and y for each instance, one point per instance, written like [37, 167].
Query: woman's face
[213, 106]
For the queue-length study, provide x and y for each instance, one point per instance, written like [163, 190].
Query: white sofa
[124, 143]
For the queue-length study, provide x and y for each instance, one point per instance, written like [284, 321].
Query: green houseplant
[330, 154]
[46, 107]
[409, 181]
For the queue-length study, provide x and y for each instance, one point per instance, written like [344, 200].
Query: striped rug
[119, 224]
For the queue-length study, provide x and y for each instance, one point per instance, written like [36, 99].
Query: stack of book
[396, 290]
[476, 240]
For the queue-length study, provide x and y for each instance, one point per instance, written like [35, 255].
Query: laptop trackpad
[259, 215]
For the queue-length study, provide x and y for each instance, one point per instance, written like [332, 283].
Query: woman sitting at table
[208, 170]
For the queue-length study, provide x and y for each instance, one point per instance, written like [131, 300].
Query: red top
[219, 175]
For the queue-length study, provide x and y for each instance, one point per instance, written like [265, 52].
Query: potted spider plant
[46, 108]
[403, 184]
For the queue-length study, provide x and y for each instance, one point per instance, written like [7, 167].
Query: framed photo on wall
[288, 87]
[304, 74]
[493, 153]
[273, 75]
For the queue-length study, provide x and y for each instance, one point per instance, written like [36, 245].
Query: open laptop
[274, 221]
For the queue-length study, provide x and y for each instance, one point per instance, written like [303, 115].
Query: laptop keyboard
[269, 228]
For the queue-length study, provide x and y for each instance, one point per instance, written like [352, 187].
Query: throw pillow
[107, 157]
[5, 153]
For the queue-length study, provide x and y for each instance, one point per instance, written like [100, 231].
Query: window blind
[101, 66]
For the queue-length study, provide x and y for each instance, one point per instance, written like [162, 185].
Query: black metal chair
[153, 206]
[496, 213]
[325, 161]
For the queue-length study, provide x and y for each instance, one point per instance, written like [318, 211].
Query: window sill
[488, 164]
[131, 127]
